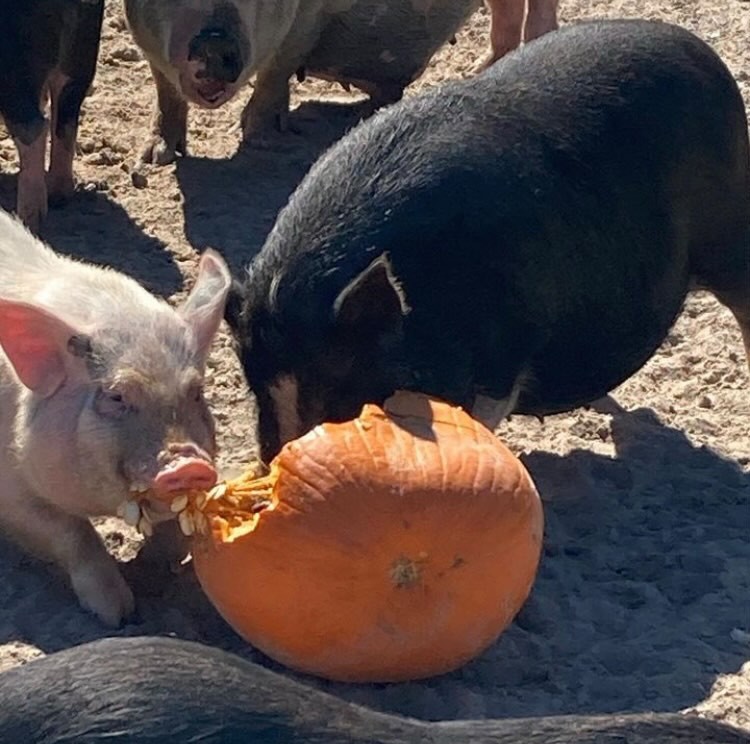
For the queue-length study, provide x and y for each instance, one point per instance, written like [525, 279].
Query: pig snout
[185, 467]
[215, 63]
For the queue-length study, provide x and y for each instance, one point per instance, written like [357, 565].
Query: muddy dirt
[643, 598]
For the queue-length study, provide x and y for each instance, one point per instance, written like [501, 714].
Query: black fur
[133, 690]
[544, 221]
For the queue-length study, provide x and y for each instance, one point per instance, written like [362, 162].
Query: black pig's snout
[220, 53]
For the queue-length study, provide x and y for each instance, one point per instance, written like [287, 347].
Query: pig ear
[37, 344]
[204, 307]
[374, 300]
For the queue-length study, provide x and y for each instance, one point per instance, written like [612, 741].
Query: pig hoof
[160, 152]
[32, 215]
[31, 204]
[60, 192]
[102, 590]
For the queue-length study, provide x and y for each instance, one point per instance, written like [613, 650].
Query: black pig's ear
[374, 300]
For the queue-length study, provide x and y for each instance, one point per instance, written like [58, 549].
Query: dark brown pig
[48, 49]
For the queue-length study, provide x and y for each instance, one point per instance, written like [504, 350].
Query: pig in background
[101, 395]
[48, 49]
[203, 51]
[522, 258]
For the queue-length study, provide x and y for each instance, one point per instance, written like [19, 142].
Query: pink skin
[74, 441]
[508, 27]
[60, 180]
[195, 87]
[188, 467]
[540, 19]
[31, 201]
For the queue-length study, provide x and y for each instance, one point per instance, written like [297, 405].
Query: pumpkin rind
[400, 546]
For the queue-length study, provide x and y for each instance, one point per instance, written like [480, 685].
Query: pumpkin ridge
[407, 552]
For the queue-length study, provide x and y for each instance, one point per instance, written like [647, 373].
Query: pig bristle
[82, 293]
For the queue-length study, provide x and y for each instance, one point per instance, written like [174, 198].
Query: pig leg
[725, 272]
[169, 123]
[506, 26]
[491, 411]
[540, 19]
[268, 109]
[68, 87]
[31, 200]
[73, 544]
[738, 301]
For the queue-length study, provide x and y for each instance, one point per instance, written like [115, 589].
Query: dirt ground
[643, 597]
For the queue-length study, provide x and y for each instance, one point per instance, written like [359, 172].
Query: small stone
[705, 401]
[139, 180]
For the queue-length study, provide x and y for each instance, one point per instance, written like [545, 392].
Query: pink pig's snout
[187, 467]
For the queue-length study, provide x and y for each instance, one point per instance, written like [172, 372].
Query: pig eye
[111, 403]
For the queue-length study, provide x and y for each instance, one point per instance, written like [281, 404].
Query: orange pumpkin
[392, 547]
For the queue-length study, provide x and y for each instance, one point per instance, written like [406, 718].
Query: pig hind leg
[68, 85]
[726, 273]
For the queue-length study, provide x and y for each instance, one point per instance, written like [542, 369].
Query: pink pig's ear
[204, 308]
[36, 343]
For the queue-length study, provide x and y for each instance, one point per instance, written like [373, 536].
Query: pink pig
[101, 395]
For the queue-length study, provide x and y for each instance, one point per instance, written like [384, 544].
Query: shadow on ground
[644, 576]
[231, 204]
[94, 228]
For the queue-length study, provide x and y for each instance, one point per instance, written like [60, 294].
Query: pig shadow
[643, 578]
[231, 205]
[94, 228]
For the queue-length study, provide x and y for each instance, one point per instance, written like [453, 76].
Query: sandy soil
[643, 594]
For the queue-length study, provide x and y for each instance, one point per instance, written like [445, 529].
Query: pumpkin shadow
[643, 578]
[96, 229]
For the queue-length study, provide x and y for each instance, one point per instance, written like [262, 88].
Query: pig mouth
[208, 92]
[185, 472]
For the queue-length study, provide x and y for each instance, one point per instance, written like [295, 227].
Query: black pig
[521, 241]
[139, 690]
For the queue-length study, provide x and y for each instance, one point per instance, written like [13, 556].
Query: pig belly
[386, 42]
[589, 356]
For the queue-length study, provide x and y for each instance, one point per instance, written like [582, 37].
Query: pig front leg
[267, 111]
[73, 544]
[506, 28]
[31, 198]
[68, 87]
[169, 123]
[66, 98]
